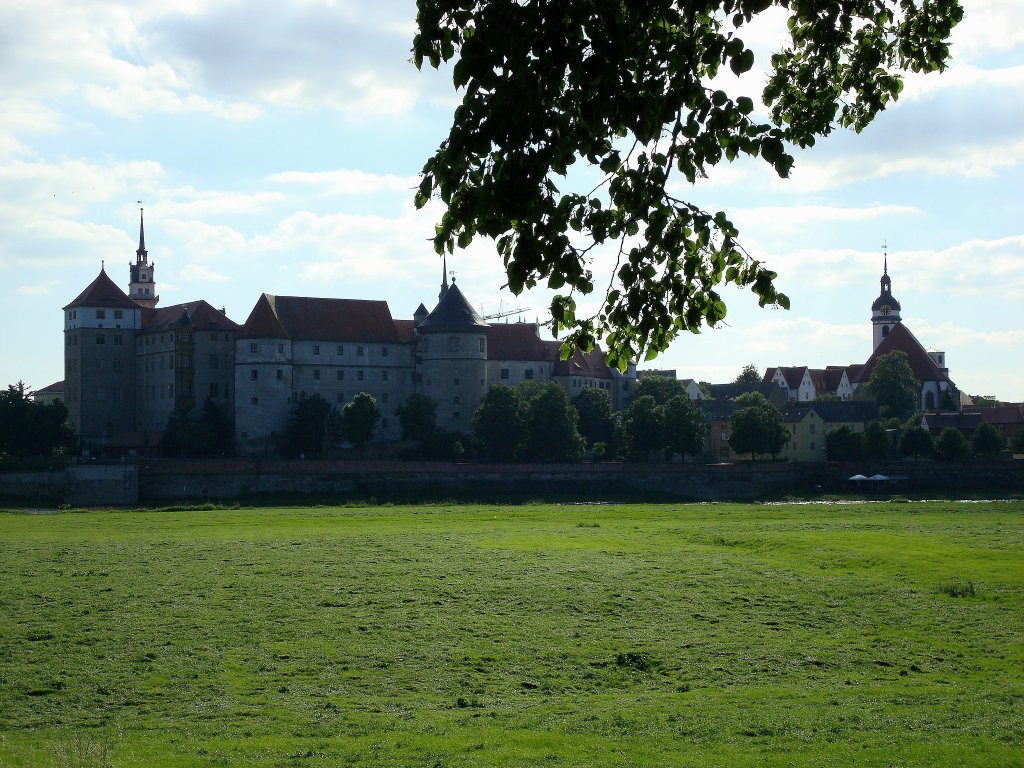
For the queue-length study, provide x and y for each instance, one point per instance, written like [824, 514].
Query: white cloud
[38, 289]
[197, 273]
[348, 182]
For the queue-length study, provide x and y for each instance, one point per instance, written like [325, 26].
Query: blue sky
[277, 147]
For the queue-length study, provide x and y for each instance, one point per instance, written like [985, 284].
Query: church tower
[142, 288]
[885, 312]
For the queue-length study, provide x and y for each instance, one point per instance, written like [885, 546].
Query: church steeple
[142, 287]
[444, 276]
[885, 311]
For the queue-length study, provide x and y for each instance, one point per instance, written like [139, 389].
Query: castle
[130, 364]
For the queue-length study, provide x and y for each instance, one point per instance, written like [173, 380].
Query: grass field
[694, 635]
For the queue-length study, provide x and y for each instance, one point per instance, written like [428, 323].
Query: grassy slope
[592, 635]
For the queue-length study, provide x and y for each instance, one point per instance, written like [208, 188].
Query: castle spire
[142, 253]
[444, 276]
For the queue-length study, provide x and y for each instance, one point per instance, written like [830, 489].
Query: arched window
[885, 331]
[929, 400]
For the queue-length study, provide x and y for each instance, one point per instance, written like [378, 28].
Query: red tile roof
[900, 339]
[591, 364]
[302, 317]
[517, 341]
[103, 292]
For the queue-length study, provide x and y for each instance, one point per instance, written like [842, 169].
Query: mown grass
[661, 635]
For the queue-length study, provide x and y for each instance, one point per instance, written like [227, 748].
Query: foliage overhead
[635, 91]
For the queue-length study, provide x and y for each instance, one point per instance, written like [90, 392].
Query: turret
[142, 287]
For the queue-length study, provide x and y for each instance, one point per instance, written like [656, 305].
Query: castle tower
[99, 361]
[142, 288]
[885, 311]
[452, 355]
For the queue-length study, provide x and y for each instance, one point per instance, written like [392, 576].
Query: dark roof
[591, 364]
[834, 411]
[406, 329]
[200, 315]
[103, 292]
[900, 339]
[965, 422]
[301, 317]
[1001, 414]
[57, 388]
[453, 312]
[734, 390]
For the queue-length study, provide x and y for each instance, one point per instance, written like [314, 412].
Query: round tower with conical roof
[452, 354]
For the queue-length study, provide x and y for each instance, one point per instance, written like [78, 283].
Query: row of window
[339, 350]
[254, 374]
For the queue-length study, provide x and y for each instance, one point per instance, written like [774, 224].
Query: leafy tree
[843, 444]
[894, 385]
[418, 417]
[644, 428]
[685, 426]
[876, 441]
[757, 427]
[358, 419]
[594, 408]
[951, 445]
[528, 389]
[749, 375]
[915, 440]
[312, 426]
[209, 433]
[551, 426]
[661, 388]
[986, 401]
[1017, 446]
[987, 440]
[634, 90]
[28, 428]
[499, 423]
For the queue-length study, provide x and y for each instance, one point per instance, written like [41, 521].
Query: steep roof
[302, 317]
[900, 339]
[453, 312]
[199, 314]
[517, 341]
[103, 292]
[592, 364]
[406, 329]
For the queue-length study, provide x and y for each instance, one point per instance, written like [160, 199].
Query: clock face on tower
[885, 309]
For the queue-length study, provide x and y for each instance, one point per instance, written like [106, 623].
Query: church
[889, 334]
[130, 364]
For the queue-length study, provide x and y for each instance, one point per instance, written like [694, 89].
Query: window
[101, 314]
[383, 375]
[385, 397]
[812, 428]
[118, 365]
[340, 351]
[316, 349]
[170, 390]
[170, 362]
[812, 445]
[528, 374]
[341, 375]
[280, 375]
[118, 314]
[360, 351]
[214, 389]
[214, 360]
[253, 348]
[383, 351]
[316, 374]
[359, 375]
[101, 338]
[504, 373]
[254, 401]
[481, 344]
[453, 343]
[280, 349]
[254, 375]
[213, 337]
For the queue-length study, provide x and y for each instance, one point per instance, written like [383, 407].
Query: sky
[276, 145]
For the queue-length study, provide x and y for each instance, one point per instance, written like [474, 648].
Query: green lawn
[648, 635]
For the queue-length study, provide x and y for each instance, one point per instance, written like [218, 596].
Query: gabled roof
[57, 388]
[592, 364]
[302, 317]
[900, 339]
[793, 375]
[517, 341]
[103, 292]
[1003, 415]
[453, 312]
[199, 314]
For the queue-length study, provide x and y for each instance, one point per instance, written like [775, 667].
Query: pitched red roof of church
[302, 317]
[900, 339]
[201, 315]
[517, 341]
[103, 292]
